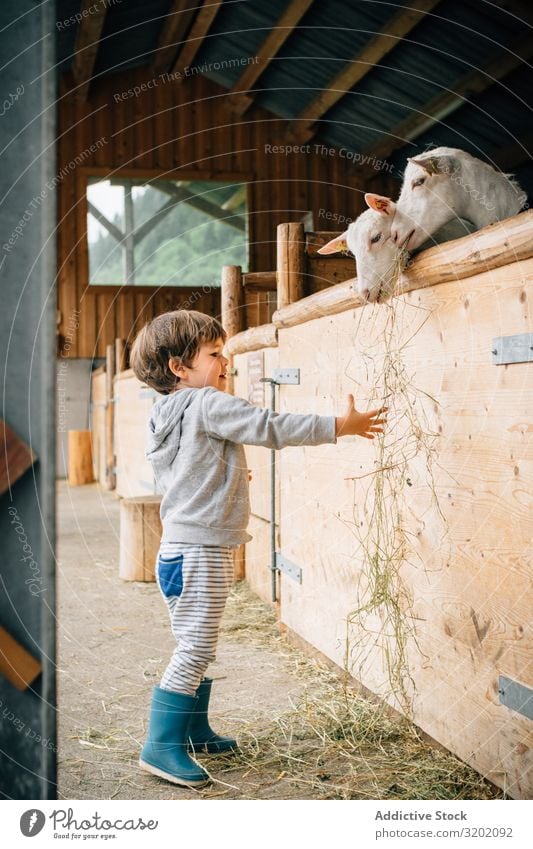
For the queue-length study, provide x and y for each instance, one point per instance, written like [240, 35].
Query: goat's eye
[419, 182]
[375, 238]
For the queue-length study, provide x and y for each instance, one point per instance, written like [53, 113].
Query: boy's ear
[176, 367]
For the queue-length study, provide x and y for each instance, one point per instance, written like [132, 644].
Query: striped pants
[195, 581]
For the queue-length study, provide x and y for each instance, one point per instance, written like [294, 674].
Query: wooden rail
[498, 244]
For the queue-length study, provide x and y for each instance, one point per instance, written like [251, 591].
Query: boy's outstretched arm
[354, 423]
[228, 417]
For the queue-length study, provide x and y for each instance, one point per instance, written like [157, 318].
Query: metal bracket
[286, 375]
[512, 349]
[516, 696]
[288, 568]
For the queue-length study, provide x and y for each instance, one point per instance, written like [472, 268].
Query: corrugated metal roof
[457, 37]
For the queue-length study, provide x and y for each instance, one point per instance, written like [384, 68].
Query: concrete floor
[114, 643]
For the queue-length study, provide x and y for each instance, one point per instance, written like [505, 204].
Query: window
[164, 232]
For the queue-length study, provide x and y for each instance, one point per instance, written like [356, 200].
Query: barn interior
[176, 137]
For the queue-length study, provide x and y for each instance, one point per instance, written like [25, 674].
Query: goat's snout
[394, 234]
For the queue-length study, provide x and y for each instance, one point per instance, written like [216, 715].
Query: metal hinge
[286, 375]
[288, 568]
[516, 696]
[512, 349]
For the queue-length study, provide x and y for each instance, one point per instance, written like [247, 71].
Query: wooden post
[121, 356]
[140, 535]
[80, 458]
[110, 478]
[232, 310]
[232, 301]
[290, 263]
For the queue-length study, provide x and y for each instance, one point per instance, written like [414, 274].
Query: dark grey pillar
[27, 344]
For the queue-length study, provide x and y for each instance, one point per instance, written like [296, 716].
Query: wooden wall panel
[257, 559]
[132, 404]
[466, 564]
[167, 127]
[98, 423]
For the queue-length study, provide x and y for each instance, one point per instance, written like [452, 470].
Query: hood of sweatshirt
[165, 426]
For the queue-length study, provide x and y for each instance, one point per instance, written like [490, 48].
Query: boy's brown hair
[177, 334]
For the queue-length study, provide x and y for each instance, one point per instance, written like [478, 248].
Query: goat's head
[377, 257]
[429, 197]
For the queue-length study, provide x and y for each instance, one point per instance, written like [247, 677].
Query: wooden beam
[517, 8]
[240, 97]
[106, 173]
[111, 228]
[253, 339]
[184, 196]
[173, 32]
[260, 281]
[237, 199]
[505, 242]
[441, 106]
[201, 26]
[86, 45]
[401, 23]
[515, 153]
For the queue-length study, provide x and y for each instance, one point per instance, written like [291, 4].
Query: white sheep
[378, 258]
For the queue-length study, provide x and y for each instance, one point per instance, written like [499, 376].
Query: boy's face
[208, 367]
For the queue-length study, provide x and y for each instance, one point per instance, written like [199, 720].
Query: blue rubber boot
[202, 738]
[165, 750]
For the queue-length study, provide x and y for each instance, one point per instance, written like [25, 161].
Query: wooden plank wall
[467, 562]
[257, 551]
[98, 422]
[181, 126]
[133, 402]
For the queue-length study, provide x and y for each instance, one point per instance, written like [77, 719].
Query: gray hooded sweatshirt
[195, 445]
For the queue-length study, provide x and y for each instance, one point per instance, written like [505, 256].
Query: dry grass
[381, 626]
[333, 741]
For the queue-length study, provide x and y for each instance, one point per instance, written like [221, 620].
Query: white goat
[447, 183]
[378, 258]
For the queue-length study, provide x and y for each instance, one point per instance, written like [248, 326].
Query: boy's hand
[359, 424]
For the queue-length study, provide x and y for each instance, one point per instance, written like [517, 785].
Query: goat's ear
[339, 243]
[380, 204]
[436, 164]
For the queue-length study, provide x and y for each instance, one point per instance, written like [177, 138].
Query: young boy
[196, 437]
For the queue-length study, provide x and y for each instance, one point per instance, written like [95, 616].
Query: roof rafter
[514, 154]
[201, 26]
[402, 22]
[173, 31]
[284, 26]
[472, 83]
[86, 45]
